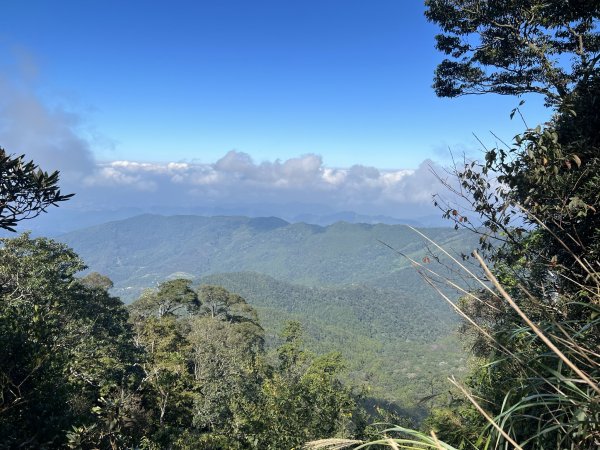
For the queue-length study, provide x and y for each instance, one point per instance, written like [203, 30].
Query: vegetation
[180, 368]
[548, 266]
[515, 47]
[68, 359]
[537, 335]
[25, 190]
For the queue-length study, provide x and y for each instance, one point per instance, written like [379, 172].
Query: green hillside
[139, 252]
[395, 344]
[353, 293]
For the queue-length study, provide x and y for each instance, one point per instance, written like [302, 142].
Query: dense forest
[352, 293]
[189, 363]
[179, 368]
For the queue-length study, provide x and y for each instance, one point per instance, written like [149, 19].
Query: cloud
[49, 136]
[52, 137]
[237, 179]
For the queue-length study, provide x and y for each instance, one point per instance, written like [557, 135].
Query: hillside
[139, 252]
[398, 345]
[352, 293]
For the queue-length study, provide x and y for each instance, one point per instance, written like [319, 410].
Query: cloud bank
[237, 179]
[53, 138]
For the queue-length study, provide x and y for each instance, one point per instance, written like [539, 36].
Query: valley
[352, 293]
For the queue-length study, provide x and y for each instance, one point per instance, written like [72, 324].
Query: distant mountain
[353, 293]
[71, 217]
[352, 217]
[139, 252]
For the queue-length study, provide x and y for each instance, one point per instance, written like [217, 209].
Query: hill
[139, 252]
[352, 293]
[398, 345]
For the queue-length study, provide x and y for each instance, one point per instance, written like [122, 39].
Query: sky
[317, 101]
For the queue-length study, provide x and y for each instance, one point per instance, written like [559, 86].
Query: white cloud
[237, 179]
[52, 137]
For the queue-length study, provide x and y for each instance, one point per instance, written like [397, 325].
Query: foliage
[209, 383]
[304, 398]
[219, 303]
[25, 190]
[537, 334]
[67, 351]
[172, 297]
[515, 47]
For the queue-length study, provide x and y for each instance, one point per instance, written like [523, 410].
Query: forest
[221, 359]
[352, 294]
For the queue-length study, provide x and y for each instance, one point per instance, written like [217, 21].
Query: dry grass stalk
[535, 329]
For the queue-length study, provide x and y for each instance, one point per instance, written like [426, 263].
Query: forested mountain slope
[365, 310]
[352, 293]
[397, 345]
[139, 252]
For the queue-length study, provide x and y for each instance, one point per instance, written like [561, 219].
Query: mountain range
[348, 283]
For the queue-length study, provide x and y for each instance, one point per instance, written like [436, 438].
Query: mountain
[343, 282]
[139, 252]
[73, 217]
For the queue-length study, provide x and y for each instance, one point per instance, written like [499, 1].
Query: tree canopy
[25, 190]
[514, 47]
[67, 355]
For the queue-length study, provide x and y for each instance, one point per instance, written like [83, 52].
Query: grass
[558, 397]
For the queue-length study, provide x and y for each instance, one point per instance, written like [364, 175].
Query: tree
[172, 297]
[515, 47]
[25, 190]
[228, 367]
[67, 360]
[162, 336]
[97, 280]
[218, 302]
[539, 205]
[201, 364]
[304, 398]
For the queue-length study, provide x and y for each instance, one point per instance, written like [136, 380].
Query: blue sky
[349, 80]
[276, 94]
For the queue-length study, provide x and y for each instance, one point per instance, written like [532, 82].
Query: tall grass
[556, 402]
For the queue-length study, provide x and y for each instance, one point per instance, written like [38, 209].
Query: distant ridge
[68, 218]
[141, 251]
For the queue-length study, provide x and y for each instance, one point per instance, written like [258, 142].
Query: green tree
[218, 302]
[172, 297]
[228, 368]
[67, 352]
[201, 365]
[304, 398]
[161, 334]
[539, 204]
[515, 47]
[25, 190]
